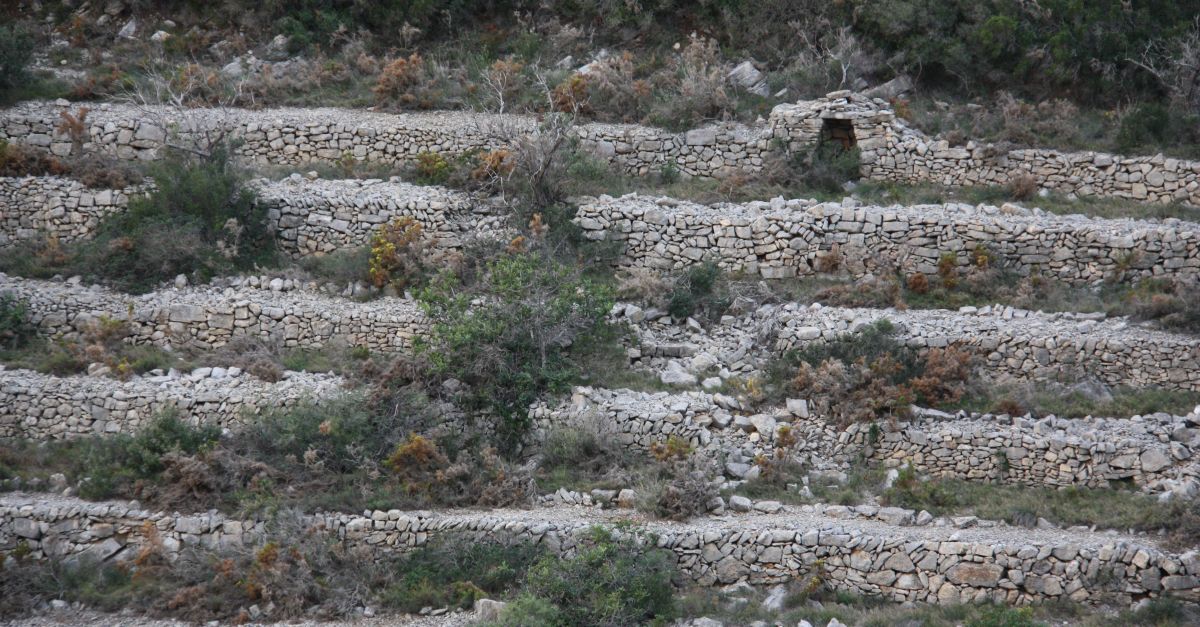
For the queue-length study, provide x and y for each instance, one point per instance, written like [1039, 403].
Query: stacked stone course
[1157, 453]
[211, 317]
[1019, 343]
[38, 407]
[899, 563]
[318, 217]
[890, 150]
[51, 206]
[782, 239]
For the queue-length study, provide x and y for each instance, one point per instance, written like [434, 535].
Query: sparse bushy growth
[16, 329]
[119, 465]
[16, 53]
[868, 375]
[610, 582]
[455, 572]
[695, 289]
[200, 221]
[506, 333]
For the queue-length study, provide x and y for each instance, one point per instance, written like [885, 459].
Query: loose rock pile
[37, 406]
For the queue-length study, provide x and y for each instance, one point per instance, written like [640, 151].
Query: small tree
[506, 335]
[16, 51]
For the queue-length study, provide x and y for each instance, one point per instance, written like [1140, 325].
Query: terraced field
[719, 434]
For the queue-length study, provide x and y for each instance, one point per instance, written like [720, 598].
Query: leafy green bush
[16, 52]
[455, 572]
[113, 463]
[1146, 125]
[694, 289]
[609, 582]
[16, 329]
[507, 334]
[200, 221]
[827, 166]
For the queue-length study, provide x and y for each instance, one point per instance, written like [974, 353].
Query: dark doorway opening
[839, 131]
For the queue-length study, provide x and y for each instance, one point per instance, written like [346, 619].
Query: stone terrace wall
[37, 406]
[63, 208]
[211, 317]
[1030, 345]
[1158, 453]
[316, 217]
[900, 563]
[890, 149]
[298, 136]
[779, 239]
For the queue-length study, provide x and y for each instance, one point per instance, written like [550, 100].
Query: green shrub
[507, 334]
[16, 52]
[456, 571]
[200, 221]
[1146, 125]
[694, 289]
[339, 434]
[113, 463]
[609, 582]
[16, 329]
[827, 166]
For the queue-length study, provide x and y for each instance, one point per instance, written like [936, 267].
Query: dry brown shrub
[947, 269]
[400, 253]
[397, 80]
[1023, 186]
[1010, 407]
[918, 283]
[571, 95]
[946, 370]
[615, 93]
[20, 160]
[74, 126]
[644, 285]
[829, 261]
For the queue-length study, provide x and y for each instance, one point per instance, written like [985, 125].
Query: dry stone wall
[318, 217]
[890, 149]
[781, 239]
[299, 136]
[1019, 343]
[210, 317]
[1158, 453]
[1013, 566]
[58, 207]
[37, 407]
